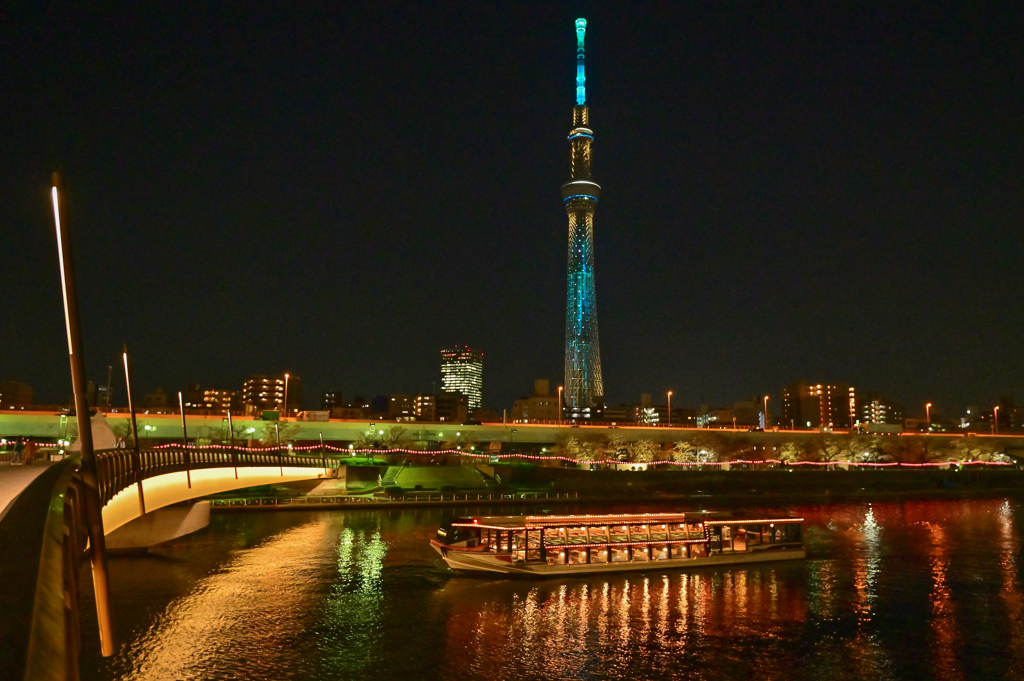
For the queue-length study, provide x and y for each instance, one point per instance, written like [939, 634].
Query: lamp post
[136, 456]
[669, 408]
[87, 470]
[286, 377]
[559, 405]
[928, 416]
[766, 412]
[995, 421]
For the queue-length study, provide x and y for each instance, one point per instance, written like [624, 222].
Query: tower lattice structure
[584, 386]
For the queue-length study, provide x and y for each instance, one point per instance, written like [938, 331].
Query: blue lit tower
[584, 388]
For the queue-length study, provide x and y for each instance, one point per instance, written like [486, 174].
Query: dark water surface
[915, 590]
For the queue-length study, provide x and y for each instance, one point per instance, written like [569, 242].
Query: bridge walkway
[15, 478]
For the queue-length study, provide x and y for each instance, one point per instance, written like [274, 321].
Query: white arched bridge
[44, 530]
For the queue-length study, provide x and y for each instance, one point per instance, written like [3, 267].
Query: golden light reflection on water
[943, 620]
[240, 615]
[889, 591]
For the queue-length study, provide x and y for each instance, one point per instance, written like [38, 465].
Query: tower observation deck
[584, 387]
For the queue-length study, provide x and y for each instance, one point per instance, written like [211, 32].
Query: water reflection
[251, 607]
[889, 591]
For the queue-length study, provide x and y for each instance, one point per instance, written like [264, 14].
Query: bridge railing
[117, 468]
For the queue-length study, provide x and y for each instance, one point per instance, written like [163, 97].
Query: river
[912, 590]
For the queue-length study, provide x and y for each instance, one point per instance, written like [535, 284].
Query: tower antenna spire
[581, 78]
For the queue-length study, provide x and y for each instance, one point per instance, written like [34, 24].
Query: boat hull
[480, 562]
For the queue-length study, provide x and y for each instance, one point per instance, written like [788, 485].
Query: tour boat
[582, 544]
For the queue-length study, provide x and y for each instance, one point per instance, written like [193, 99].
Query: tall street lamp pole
[766, 412]
[995, 421]
[87, 469]
[286, 377]
[136, 455]
[928, 415]
[669, 408]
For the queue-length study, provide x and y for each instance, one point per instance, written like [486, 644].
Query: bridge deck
[14, 480]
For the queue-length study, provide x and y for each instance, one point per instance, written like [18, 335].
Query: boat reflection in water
[582, 544]
[643, 626]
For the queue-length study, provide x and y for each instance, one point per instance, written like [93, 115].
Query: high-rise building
[584, 387]
[212, 400]
[878, 410]
[261, 392]
[462, 371]
[819, 406]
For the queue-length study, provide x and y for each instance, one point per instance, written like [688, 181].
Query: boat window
[556, 557]
[599, 534]
[659, 552]
[698, 550]
[533, 545]
[618, 533]
[677, 531]
[678, 550]
[554, 536]
[726, 538]
[641, 553]
[598, 555]
[696, 530]
[753, 535]
[577, 556]
[659, 532]
[577, 535]
[716, 538]
[638, 533]
[619, 555]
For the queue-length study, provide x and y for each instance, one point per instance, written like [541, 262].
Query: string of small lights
[537, 457]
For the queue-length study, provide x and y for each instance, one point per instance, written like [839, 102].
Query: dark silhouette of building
[15, 394]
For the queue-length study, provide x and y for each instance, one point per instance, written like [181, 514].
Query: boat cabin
[628, 538]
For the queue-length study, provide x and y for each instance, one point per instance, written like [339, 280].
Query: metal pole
[280, 459]
[231, 434]
[323, 453]
[184, 441]
[136, 455]
[88, 472]
[286, 377]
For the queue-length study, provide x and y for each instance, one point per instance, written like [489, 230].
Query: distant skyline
[832, 193]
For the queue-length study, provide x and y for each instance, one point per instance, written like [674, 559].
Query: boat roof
[514, 522]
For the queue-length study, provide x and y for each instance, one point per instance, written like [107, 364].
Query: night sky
[824, 191]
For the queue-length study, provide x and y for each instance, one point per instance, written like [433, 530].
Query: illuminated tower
[584, 388]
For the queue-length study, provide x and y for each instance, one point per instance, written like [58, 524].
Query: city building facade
[267, 393]
[540, 407]
[820, 405]
[462, 371]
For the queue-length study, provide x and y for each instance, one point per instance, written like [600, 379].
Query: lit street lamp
[286, 395]
[766, 412]
[995, 421]
[928, 415]
[669, 408]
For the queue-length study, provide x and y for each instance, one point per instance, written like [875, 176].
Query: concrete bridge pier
[161, 525]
